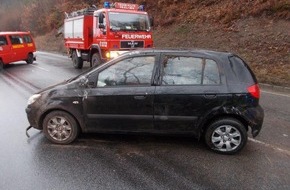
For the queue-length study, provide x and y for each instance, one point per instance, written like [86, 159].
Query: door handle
[139, 97]
[210, 96]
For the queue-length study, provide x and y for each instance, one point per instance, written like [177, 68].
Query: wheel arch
[95, 48]
[206, 123]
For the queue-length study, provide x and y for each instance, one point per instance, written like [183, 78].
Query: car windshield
[128, 22]
[87, 72]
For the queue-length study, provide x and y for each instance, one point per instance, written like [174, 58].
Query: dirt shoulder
[262, 42]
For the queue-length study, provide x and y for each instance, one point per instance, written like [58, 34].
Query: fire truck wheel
[29, 59]
[77, 61]
[96, 60]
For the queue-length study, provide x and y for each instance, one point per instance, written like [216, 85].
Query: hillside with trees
[258, 31]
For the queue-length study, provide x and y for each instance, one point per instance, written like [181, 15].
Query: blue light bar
[141, 8]
[107, 4]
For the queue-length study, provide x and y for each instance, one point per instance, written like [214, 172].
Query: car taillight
[254, 90]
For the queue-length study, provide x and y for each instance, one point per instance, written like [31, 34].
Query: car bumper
[32, 118]
[256, 118]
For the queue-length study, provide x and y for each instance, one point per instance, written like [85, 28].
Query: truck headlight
[33, 98]
[114, 54]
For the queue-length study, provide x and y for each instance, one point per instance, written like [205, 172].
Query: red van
[16, 46]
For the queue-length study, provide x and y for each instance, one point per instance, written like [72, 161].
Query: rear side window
[241, 70]
[211, 72]
[178, 70]
[16, 40]
[3, 41]
[27, 39]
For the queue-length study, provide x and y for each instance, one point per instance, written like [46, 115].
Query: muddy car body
[200, 93]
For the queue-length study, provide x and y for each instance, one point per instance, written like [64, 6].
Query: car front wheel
[2, 66]
[60, 127]
[226, 136]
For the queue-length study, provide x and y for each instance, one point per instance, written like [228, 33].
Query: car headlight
[33, 98]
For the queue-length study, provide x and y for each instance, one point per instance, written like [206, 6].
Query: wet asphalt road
[99, 161]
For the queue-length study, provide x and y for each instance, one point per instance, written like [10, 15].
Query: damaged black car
[205, 94]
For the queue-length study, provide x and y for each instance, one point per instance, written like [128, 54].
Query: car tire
[96, 60]
[77, 61]
[2, 66]
[60, 127]
[226, 136]
[30, 58]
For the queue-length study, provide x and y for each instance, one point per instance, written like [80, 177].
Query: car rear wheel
[77, 61]
[30, 58]
[60, 127]
[226, 136]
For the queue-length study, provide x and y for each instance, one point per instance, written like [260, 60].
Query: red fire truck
[97, 35]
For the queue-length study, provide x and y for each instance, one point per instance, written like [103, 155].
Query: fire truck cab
[16, 46]
[97, 35]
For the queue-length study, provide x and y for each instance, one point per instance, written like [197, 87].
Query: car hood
[52, 87]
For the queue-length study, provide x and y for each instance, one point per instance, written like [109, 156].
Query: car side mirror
[151, 21]
[102, 26]
[101, 18]
[83, 81]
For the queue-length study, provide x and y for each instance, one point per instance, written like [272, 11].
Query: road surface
[97, 161]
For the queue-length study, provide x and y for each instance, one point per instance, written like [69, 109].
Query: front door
[123, 97]
[5, 50]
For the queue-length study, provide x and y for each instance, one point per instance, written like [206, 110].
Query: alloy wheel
[226, 138]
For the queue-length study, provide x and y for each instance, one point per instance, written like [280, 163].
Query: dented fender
[253, 117]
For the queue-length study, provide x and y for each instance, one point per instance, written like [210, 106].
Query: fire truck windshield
[128, 22]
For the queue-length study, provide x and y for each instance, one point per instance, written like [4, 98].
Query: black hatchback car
[205, 94]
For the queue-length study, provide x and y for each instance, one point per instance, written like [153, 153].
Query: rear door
[5, 49]
[123, 98]
[189, 87]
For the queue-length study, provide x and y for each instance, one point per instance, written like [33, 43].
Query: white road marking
[40, 68]
[274, 93]
[270, 146]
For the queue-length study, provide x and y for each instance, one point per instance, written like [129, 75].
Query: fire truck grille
[132, 44]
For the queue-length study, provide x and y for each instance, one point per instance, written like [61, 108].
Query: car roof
[14, 32]
[201, 52]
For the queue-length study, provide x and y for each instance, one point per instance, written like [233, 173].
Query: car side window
[27, 39]
[178, 70]
[182, 70]
[128, 72]
[211, 72]
[16, 40]
[3, 41]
